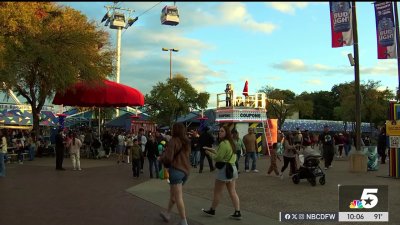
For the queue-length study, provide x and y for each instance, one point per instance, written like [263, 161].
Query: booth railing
[258, 100]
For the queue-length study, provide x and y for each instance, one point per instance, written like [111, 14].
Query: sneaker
[210, 212]
[281, 176]
[165, 216]
[79, 169]
[74, 169]
[254, 171]
[236, 215]
[183, 222]
[326, 168]
[247, 171]
[330, 166]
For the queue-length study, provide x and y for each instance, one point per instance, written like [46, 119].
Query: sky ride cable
[146, 12]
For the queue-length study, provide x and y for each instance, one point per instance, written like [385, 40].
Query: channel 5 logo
[363, 198]
[368, 199]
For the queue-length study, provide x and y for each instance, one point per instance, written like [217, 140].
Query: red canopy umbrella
[103, 94]
[246, 89]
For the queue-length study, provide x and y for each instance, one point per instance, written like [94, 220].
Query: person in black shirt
[328, 143]
[59, 149]
[382, 145]
[152, 155]
[205, 140]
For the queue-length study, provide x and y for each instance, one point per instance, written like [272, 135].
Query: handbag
[229, 170]
[219, 165]
[228, 167]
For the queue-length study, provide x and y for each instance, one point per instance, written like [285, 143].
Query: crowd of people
[328, 144]
[179, 150]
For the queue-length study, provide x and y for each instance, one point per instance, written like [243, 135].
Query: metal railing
[258, 100]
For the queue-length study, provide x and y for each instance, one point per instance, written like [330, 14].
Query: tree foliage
[280, 103]
[167, 101]
[374, 102]
[337, 104]
[45, 48]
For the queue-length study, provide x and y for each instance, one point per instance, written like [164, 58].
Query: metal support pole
[170, 64]
[396, 18]
[99, 122]
[118, 59]
[357, 77]
[118, 53]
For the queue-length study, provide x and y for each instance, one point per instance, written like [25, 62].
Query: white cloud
[236, 13]
[293, 65]
[137, 54]
[287, 7]
[233, 12]
[383, 67]
[259, 27]
[222, 62]
[322, 67]
[314, 82]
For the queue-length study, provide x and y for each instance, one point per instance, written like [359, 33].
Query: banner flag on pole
[385, 31]
[341, 24]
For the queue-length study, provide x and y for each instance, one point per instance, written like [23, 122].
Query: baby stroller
[310, 170]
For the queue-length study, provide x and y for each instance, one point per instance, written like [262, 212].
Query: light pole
[116, 19]
[170, 59]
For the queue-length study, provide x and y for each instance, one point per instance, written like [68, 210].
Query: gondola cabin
[117, 20]
[170, 16]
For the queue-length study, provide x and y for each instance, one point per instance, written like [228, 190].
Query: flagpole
[396, 18]
[357, 77]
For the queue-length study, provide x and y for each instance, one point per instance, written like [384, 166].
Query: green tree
[280, 103]
[305, 105]
[167, 101]
[344, 100]
[323, 105]
[374, 102]
[45, 48]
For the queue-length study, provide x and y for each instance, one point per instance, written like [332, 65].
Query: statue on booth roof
[229, 95]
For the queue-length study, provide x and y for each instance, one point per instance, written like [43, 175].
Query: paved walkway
[104, 193]
[155, 191]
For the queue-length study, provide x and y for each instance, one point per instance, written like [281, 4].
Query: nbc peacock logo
[368, 199]
[356, 204]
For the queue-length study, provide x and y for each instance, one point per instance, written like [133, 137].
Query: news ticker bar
[334, 216]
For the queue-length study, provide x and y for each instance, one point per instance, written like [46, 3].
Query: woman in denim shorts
[176, 156]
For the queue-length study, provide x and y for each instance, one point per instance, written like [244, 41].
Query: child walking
[136, 150]
[274, 156]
